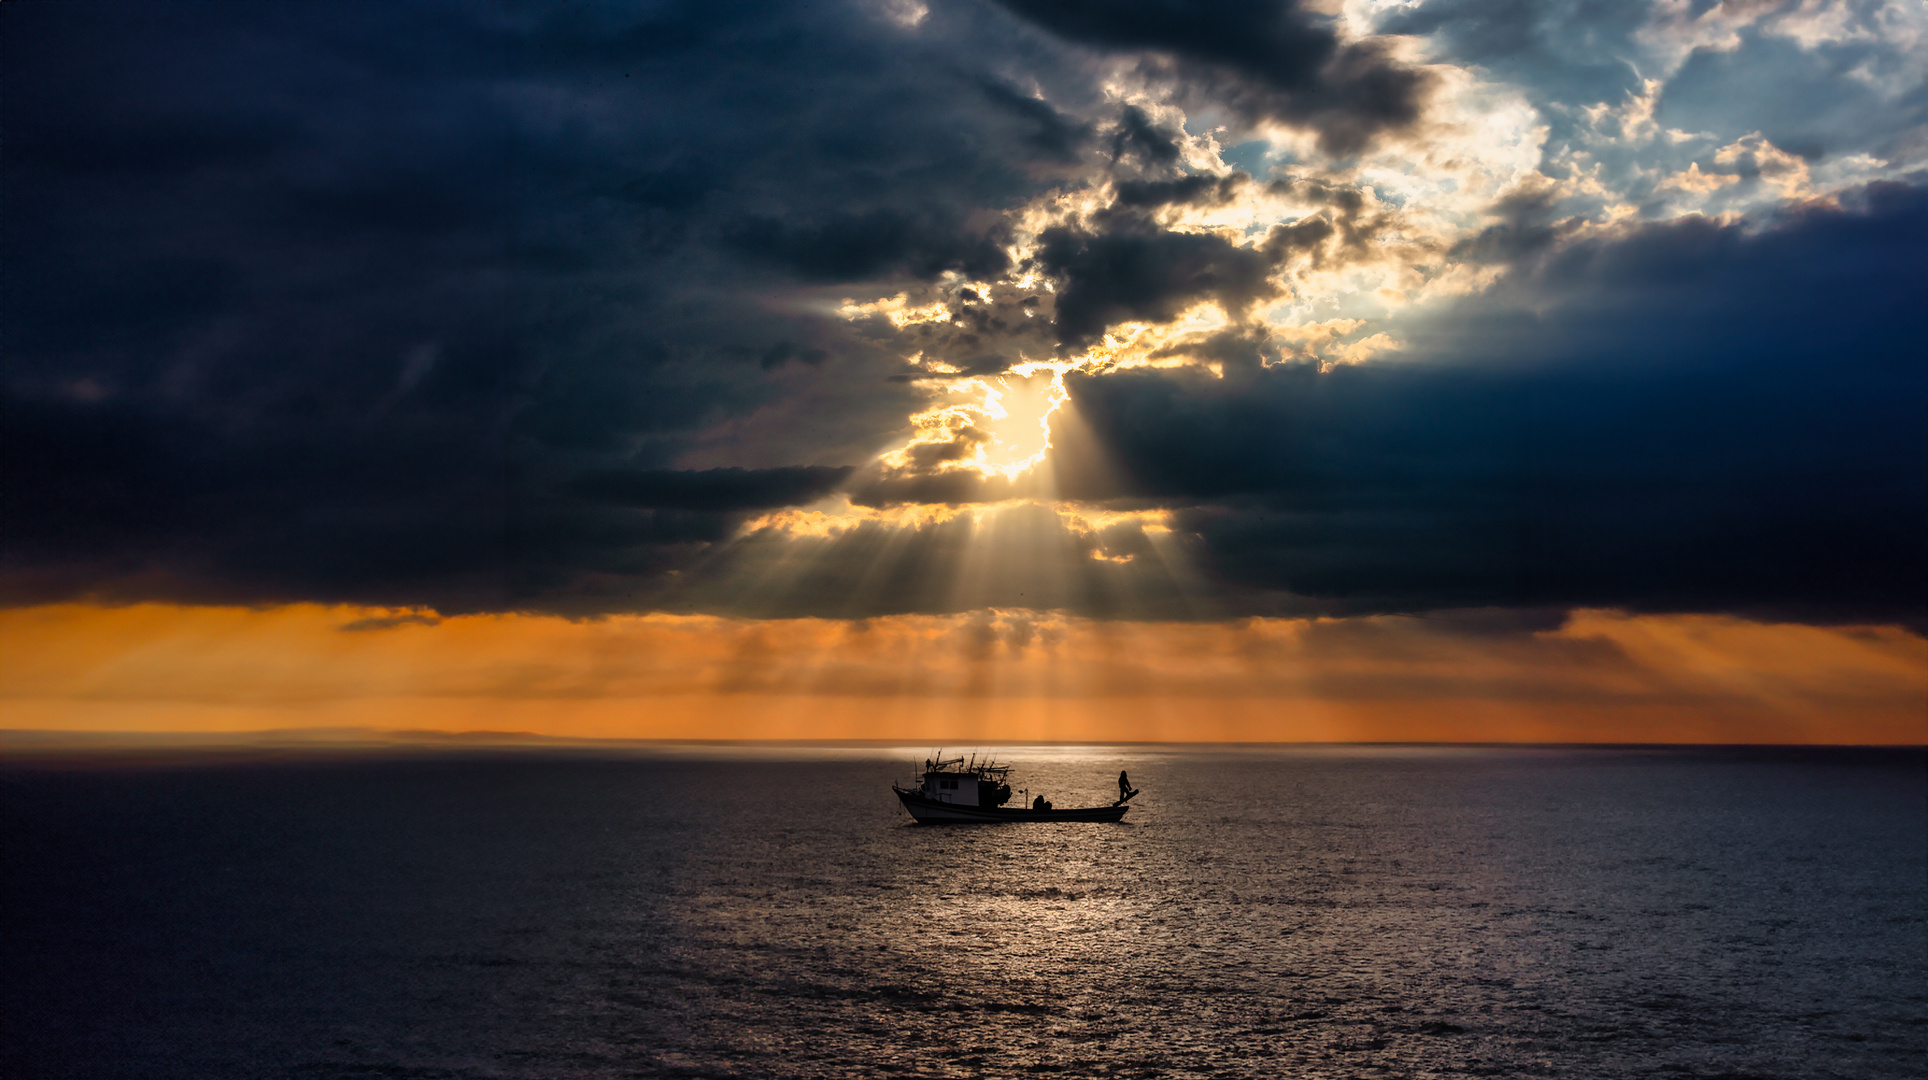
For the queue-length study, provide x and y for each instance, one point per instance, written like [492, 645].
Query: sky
[1456, 370]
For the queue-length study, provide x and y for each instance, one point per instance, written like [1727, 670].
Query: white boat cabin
[960, 788]
[971, 785]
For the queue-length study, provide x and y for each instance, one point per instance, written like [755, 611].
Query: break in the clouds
[1123, 310]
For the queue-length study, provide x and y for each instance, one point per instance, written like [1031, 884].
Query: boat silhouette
[953, 791]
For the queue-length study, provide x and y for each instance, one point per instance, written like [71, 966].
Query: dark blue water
[1332, 912]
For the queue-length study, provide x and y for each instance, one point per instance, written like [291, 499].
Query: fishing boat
[956, 791]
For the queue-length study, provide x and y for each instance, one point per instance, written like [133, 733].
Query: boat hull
[931, 812]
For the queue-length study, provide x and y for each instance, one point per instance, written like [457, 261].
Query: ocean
[771, 912]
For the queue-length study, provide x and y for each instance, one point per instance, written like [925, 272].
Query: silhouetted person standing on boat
[1124, 787]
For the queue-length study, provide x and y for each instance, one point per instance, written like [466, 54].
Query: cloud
[1631, 95]
[1136, 272]
[1196, 190]
[589, 214]
[387, 622]
[714, 489]
[1680, 417]
[847, 247]
[596, 309]
[1049, 130]
[1565, 52]
[1269, 60]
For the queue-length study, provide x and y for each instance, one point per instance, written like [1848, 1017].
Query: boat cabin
[966, 784]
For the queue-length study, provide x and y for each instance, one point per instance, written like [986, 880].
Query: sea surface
[770, 912]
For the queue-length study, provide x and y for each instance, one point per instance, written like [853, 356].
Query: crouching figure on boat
[953, 790]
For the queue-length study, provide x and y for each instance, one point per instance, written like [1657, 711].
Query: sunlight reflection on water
[1325, 912]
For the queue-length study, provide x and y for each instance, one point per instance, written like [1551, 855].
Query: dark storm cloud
[1343, 230]
[507, 308]
[1051, 131]
[313, 303]
[1687, 417]
[1528, 224]
[856, 247]
[1115, 265]
[1693, 416]
[1183, 191]
[1269, 59]
[1138, 271]
[714, 489]
[1142, 142]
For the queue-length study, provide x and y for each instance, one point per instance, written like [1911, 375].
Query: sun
[996, 425]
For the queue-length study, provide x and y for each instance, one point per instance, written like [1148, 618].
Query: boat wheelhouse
[956, 790]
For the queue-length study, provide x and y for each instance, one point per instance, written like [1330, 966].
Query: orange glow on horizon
[985, 676]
